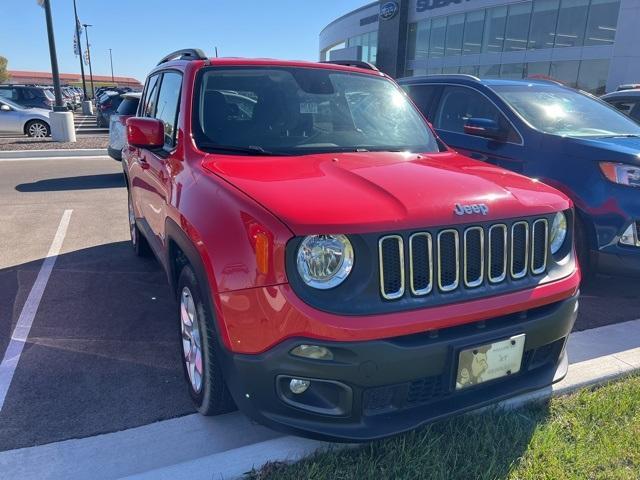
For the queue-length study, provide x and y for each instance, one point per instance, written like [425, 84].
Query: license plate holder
[490, 361]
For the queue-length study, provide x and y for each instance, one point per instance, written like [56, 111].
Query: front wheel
[202, 370]
[38, 129]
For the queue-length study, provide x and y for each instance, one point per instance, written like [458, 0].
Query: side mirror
[5, 108]
[145, 132]
[484, 127]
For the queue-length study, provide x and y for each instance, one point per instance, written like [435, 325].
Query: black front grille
[467, 257]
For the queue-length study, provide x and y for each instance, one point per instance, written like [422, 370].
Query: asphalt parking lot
[103, 354]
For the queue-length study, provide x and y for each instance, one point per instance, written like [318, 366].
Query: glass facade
[526, 25]
[369, 44]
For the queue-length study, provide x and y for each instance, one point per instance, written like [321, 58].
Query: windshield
[295, 111]
[565, 112]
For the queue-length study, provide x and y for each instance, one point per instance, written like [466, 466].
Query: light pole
[111, 60]
[86, 33]
[79, 40]
[61, 120]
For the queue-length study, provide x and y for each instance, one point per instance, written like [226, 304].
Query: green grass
[591, 434]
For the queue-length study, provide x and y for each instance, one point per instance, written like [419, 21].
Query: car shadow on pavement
[605, 300]
[83, 182]
[103, 353]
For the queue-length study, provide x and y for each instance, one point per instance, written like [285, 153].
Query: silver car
[15, 118]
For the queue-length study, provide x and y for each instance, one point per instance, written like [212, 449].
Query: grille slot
[497, 253]
[473, 256]
[391, 251]
[539, 246]
[421, 263]
[448, 260]
[519, 249]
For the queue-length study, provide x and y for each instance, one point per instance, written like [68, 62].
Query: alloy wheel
[191, 339]
[37, 130]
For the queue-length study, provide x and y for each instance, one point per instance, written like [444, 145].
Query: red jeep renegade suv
[340, 272]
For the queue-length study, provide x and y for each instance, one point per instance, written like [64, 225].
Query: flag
[76, 38]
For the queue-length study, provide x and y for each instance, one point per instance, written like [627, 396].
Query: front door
[458, 104]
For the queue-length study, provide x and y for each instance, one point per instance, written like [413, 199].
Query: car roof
[622, 93]
[471, 79]
[136, 95]
[270, 62]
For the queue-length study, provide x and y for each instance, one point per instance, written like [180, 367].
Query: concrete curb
[66, 152]
[226, 447]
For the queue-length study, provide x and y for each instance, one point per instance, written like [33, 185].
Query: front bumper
[378, 388]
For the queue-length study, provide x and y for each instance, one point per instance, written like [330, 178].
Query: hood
[622, 149]
[381, 191]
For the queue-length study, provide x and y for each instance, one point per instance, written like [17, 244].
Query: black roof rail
[184, 54]
[354, 63]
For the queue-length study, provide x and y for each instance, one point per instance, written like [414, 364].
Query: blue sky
[140, 32]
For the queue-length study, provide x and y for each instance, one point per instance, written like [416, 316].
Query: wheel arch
[31, 120]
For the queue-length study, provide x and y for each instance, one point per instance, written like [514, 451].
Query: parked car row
[107, 103]
[41, 96]
[340, 271]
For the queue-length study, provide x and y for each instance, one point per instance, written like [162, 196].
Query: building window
[489, 71]
[543, 24]
[437, 38]
[512, 70]
[572, 21]
[593, 75]
[494, 26]
[369, 44]
[603, 19]
[455, 30]
[538, 70]
[517, 30]
[450, 70]
[469, 70]
[473, 27]
[565, 72]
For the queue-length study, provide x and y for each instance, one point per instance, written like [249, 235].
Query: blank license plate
[487, 362]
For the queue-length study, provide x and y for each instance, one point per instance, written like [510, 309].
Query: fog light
[298, 386]
[631, 236]
[315, 352]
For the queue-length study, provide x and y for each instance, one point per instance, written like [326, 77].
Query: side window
[461, 103]
[148, 103]
[423, 96]
[624, 105]
[27, 94]
[5, 92]
[167, 105]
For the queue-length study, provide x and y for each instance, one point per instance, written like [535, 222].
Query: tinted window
[603, 19]
[566, 112]
[473, 28]
[306, 110]
[543, 23]
[455, 29]
[571, 23]
[494, 26]
[422, 96]
[167, 105]
[128, 106]
[149, 100]
[458, 104]
[437, 38]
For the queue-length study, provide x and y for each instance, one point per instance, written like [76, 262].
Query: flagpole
[79, 42]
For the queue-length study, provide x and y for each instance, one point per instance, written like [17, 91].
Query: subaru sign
[423, 5]
[389, 10]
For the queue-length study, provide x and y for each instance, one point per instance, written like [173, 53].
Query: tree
[4, 75]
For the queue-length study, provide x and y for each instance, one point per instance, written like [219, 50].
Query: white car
[15, 118]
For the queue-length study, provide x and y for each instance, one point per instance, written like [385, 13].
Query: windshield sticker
[309, 108]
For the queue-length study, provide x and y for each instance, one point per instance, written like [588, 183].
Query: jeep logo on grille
[471, 209]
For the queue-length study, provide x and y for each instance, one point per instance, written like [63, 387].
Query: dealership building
[589, 44]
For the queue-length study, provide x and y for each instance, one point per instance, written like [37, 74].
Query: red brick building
[74, 79]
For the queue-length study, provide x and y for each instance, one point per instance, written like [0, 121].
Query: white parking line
[21, 331]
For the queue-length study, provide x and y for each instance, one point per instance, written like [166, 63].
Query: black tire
[37, 129]
[582, 250]
[138, 241]
[212, 397]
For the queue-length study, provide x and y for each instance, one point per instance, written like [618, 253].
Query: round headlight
[558, 232]
[325, 261]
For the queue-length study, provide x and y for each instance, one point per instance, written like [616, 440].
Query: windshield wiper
[250, 150]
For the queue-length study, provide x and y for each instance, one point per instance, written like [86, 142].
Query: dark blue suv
[563, 137]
